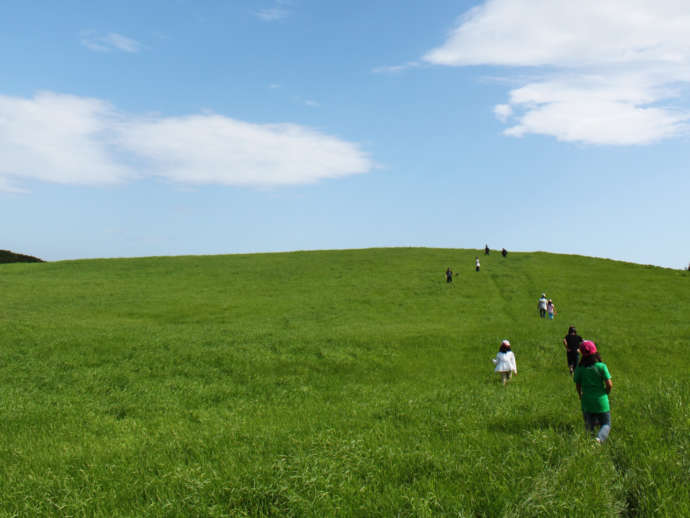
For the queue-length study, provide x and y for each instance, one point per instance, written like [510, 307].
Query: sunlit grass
[348, 383]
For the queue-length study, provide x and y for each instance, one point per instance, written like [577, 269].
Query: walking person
[486, 250]
[504, 252]
[550, 309]
[541, 305]
[572, 343]
[476, 264]
[505, 362]
[449, 275]
[593, 385]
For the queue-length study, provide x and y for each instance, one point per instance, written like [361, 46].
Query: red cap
[587, 348]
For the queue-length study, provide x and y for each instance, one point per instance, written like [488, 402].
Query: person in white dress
[505, 362]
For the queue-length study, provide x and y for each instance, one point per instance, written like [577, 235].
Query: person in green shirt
[593, 385]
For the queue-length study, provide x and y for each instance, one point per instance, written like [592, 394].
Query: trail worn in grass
[343, 383]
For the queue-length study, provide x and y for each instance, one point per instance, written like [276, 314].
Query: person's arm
[565, 343]
[578, 387]
[607, 378]
[513, 365]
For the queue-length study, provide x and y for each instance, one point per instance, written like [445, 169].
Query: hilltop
[338, 383]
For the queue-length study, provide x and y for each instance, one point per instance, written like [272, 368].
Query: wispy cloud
[280, 10]
[109, 42]
[610, 72]
[7, 186]
[75, 140]
[272, 14]
[312, 104]
[396, 68]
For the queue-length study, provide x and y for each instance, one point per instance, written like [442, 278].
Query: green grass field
[338, 383]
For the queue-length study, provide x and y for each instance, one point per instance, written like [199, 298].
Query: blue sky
[206, 127]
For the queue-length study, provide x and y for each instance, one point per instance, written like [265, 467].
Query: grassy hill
[338, 383]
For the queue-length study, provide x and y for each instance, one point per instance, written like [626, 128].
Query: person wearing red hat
[593, 385]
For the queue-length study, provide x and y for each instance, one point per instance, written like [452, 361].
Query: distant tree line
[10, 257]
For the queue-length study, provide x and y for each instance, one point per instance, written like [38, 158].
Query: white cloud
[59, 138]
[615, 109]
[609, 68]
[108, 42]
[75, 140]
[216, 149]
[603, 122]
[312, 104]
[563, 32]
[503, 111]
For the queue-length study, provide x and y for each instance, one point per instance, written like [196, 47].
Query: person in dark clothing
[486, 250]
[572, 343]
[449, 275]
[541, 305]
[504, 252]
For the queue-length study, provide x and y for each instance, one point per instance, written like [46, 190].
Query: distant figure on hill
[593, 385]
[486, 250]
[550, 309]
[572, 343]
[505, 362]
[504, 252]
[449, 275]
[476, 264]
[541, 305]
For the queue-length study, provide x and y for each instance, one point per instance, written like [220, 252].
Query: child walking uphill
[505, 362]
[593, 385]
[572, 343]
[550, 309]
